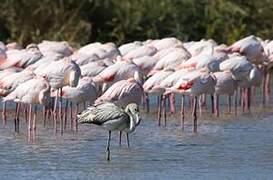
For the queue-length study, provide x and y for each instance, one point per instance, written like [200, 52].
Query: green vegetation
[83, 21]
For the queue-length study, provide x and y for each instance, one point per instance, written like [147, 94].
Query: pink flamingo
[62, 47]
[166, 43]
[194, 84]
[124, 92]
[152, 86]
[92, 69]
[59, 74]
[126, 48]
[21, 58]
[145, 63]
[171, 60]
[84, 91]
[249, 46]
[32, 92]
[225, 85]
[116, 72]
[139, 52]
[254, 79]
[107, 50]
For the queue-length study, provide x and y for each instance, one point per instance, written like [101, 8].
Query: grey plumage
[112, 118]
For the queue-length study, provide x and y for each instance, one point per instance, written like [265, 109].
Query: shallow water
[226, 148]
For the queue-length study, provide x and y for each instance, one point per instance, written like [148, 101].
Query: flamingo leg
[267, 87]
[236, 102]
[15, 118]
[65, 114]
[76, 119]
[71, 117]
[55, 113]
[29, 123]
[172, 103]
[194, 114]
[120, 134]
[212, 104]
[26, 114]
[164, 110]
[229, 103]
[216, 99]
[127, 137]
[204, 101]
[147, 102]
[4, 114]
[108, 146]
[159, 110]
[34, 122]
[61, 111]
[249, 99]
[182, 118]
[264, 85]
[254, 96]
[44, 115]
[200, 104]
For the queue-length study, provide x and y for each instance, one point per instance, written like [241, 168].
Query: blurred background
[83, 21]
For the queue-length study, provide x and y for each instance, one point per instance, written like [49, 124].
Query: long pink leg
[61, 111]
[164, 110]
[172, 103]
[71, 117]
[34, 122]
[76, 119]
[55, 113]
[194, 114]
[267, 87]
[249, 99]
[15, 118]
[29, 123]
[264, 85]
[236, 102]
[4, 114]
[182, 112]
[65, 114]
[243, 99]
[159, 110]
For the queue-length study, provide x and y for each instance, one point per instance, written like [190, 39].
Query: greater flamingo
[112, 118]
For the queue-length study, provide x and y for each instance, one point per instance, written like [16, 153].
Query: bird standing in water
[112, 118]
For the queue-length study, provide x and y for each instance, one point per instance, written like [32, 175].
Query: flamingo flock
[57, 78]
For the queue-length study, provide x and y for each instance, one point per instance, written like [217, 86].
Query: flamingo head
[74, 77]
[138, 76]
[44, 97]
[133, 110]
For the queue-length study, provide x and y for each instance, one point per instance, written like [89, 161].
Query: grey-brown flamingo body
[112, 118]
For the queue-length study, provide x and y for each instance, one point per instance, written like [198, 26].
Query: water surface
[226, 148]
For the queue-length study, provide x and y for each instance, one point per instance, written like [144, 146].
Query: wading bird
[112, 118]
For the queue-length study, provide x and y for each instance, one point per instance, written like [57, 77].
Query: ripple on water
[232, 148]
